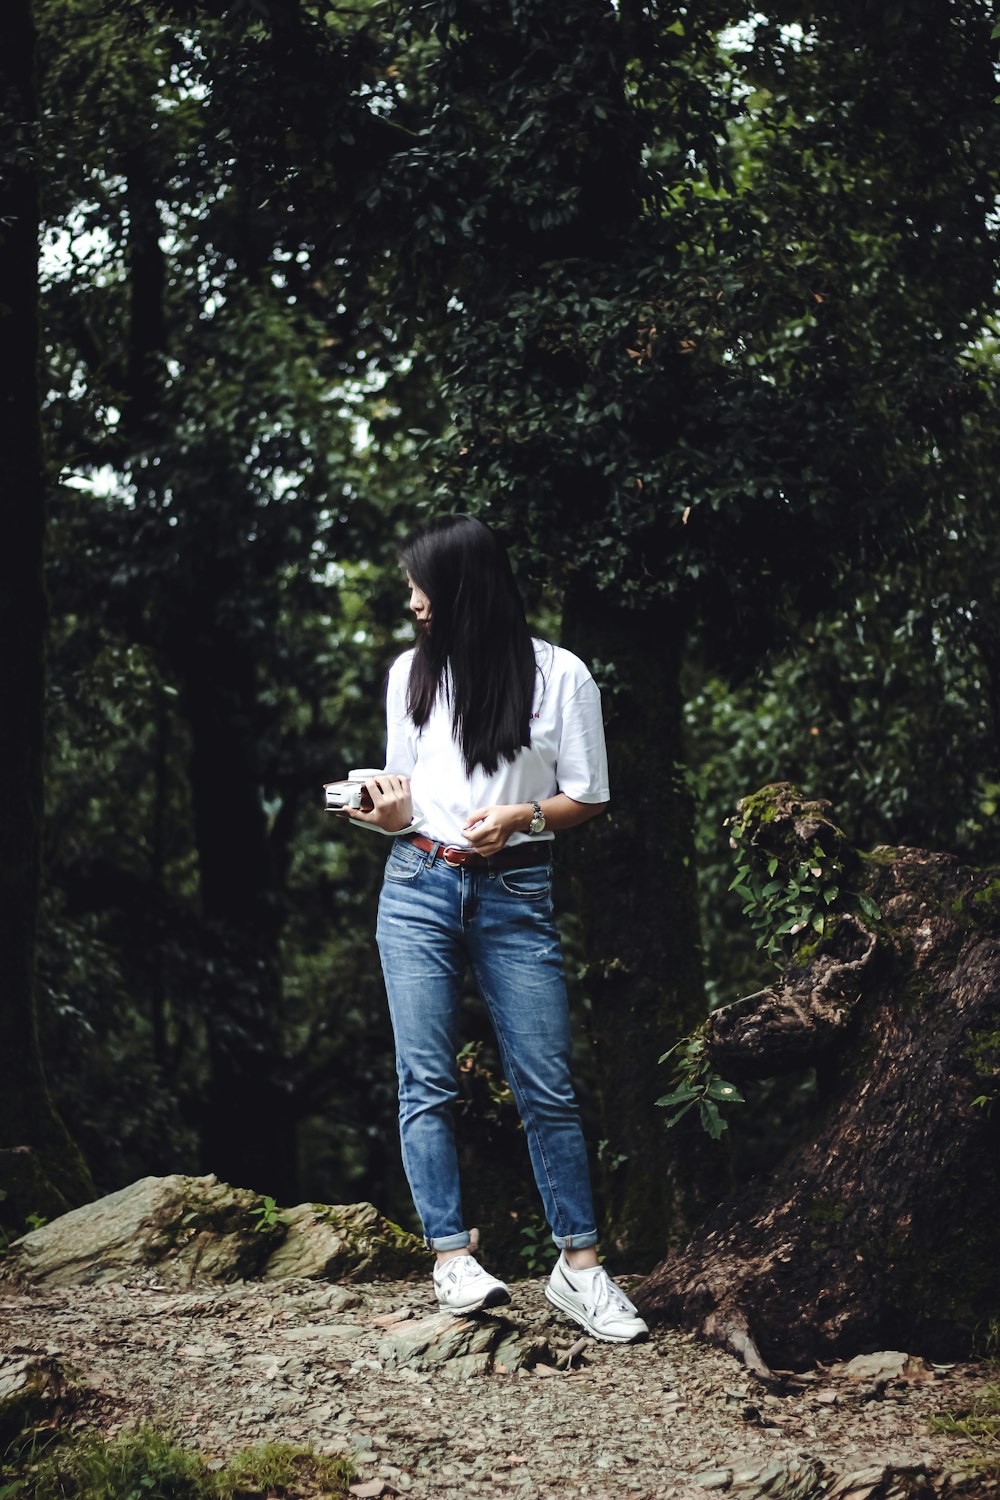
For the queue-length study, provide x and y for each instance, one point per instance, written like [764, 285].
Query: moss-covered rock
[188, 1228]
[200, 1229]
[344, 1242]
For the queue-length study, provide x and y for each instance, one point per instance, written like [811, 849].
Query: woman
[498, 740]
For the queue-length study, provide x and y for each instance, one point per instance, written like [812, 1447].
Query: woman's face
[419, 603]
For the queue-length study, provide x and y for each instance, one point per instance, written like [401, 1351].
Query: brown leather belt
[508, 859]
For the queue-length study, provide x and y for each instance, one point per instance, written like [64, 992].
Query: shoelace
[463, 1266]
[607, 1294]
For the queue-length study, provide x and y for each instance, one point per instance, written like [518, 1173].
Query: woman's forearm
[489, 828]
[561, 812]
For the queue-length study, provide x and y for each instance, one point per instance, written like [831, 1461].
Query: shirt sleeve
[582, 761]
[400, 742]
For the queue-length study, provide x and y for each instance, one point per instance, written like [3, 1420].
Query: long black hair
[478, 648]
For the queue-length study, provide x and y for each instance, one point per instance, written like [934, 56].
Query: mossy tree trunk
[28, 1117]
[634, 877]
[880, 1231]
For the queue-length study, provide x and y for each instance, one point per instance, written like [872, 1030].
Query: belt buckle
[457, 862]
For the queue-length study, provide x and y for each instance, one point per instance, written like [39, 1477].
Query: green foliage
[149, 1465]
[279, 1468]
[789, 907]
[8, 1233]
[796, 906]
[672, 276]
[885, 709]
[697, 1083]
[984, 1053]
[481, 1080]
[537, 1252]
[980, 1426]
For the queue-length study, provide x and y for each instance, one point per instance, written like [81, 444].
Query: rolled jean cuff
[576, 1241]
[460, 1241]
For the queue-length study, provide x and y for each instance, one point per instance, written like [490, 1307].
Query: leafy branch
[697, 1083]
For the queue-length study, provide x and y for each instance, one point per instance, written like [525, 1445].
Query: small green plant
[9, 1235]
[981, 1427]
[536, 1249]
[983, 1052]
[268, 1216]
[149, 1465]
[697, 1083]
[789, 907]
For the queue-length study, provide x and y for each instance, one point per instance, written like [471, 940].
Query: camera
[350, 793]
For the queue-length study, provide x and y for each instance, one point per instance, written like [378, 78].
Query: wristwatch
[537, 824]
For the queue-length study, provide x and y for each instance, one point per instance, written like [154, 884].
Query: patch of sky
[181, 86]
[742, 36]
[380, 100]
[104, 483]
[66, 249]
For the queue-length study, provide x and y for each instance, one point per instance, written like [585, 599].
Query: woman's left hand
[489, 828]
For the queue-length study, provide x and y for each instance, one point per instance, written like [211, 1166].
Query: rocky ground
[429, 1405]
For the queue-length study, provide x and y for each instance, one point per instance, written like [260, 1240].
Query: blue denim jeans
[434, 920]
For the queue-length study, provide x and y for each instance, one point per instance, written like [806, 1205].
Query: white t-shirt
[567, 751]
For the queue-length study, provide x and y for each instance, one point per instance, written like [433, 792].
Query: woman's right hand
[392, 803]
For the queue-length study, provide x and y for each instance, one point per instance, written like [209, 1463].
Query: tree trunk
[248, 1121]
[880, 1232]
[247, 1129]
[28, 1117]
[634, 878]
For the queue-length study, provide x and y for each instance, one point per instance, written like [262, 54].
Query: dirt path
[306, 1363]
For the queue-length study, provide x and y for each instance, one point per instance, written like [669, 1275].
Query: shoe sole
[584, 1322]
[494, 1298]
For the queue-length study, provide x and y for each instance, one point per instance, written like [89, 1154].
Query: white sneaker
[462, 1286]
[596, 1303]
